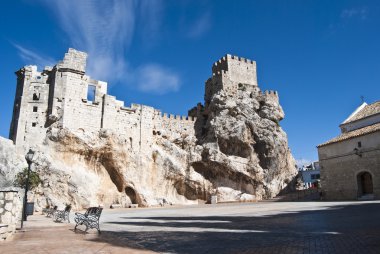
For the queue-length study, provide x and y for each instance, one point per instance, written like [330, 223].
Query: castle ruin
[64, 93]
[92, 149]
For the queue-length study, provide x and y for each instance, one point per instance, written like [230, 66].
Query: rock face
[232, 146]
[11, 162]
[244, 147]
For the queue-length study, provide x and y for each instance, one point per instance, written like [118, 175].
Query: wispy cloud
[347, 16]
[150, 19]
[200, 26]
[156, 79]
[361, 13]
[31, 57]
[105, 30]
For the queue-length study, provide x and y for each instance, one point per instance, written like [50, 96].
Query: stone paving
[264, 227]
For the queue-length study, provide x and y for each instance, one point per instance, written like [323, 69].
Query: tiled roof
[353, 134]
[368, 110]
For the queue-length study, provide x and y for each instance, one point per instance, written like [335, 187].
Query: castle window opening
[34, 124]
[91, 93]
[359, 144]
[35, 109]
[36, 97]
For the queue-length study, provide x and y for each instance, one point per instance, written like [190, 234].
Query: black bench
[50, 211]
[62, 215]
[90, 218]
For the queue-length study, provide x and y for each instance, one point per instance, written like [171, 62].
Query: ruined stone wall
[78, 111]
[10, 212]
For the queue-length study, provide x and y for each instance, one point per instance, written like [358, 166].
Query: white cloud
[150, 19]
[30, 57]
[156, 79]
[361, 13]
[105, 29]
[200, 26]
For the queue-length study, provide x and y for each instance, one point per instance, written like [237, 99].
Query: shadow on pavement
[341, 229]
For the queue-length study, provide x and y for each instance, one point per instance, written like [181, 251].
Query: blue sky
[321, 55]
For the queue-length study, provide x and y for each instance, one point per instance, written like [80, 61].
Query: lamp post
[29, 160]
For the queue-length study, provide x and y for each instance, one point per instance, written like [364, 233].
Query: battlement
[269, 94]
[166, 116]
[222, 63]
[238, 69]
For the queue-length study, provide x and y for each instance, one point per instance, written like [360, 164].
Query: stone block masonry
[10, 211]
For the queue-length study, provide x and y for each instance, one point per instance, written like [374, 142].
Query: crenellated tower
[229, 74]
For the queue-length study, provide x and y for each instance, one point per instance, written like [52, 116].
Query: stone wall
[341, 164]
[10, 211]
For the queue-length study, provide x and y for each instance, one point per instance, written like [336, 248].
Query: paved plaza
[263, 227]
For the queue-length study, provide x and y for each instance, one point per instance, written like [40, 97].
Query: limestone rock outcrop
[244, 148]
[11, 162]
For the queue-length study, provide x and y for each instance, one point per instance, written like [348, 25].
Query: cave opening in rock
[131, 194]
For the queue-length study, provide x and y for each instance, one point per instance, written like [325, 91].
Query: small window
[34, 124]
[359, 144]
[91, 93]
[35, 109]
[36, 97]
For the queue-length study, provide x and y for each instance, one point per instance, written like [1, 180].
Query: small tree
[34, 179]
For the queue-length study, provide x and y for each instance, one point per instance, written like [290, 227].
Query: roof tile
[353, 134]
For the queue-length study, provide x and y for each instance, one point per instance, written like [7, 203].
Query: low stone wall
[10, 211]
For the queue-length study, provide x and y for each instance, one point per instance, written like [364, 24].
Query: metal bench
[90, 218]
[62, 215]
[50, 211]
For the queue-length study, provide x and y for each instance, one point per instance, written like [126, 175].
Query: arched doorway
[365, 185]
[131, 194]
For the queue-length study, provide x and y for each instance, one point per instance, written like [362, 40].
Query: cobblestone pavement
[264, 227]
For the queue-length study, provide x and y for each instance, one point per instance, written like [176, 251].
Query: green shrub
[34, 179]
